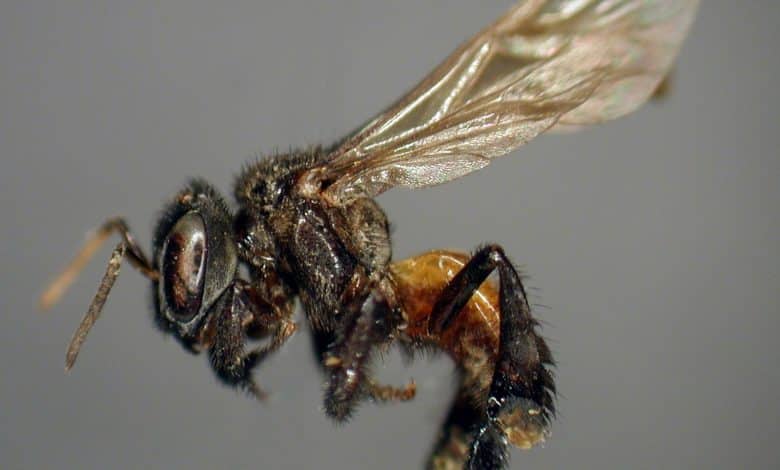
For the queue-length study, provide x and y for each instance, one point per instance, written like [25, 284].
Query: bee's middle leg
[368, 322]
[323, 341]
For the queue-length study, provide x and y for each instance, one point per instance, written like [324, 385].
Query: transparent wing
[546, 64]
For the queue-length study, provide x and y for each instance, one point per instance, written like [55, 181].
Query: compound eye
[183, 266]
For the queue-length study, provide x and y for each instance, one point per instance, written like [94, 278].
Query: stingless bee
[305, 225]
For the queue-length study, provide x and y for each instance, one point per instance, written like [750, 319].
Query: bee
[305, 225]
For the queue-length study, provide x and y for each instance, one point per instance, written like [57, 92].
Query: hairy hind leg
[519, 401]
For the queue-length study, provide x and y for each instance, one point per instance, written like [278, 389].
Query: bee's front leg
[241, 315]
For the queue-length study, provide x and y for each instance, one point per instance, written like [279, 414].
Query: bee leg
[453, 444]
[322, 340]
[241, 311]
[366, 324]
[520, 398]
[389, 393]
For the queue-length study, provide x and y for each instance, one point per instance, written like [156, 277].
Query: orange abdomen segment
[472, 338]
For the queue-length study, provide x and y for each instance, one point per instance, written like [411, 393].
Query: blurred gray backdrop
[651, 242]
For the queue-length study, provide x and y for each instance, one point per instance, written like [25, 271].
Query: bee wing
[545, 64]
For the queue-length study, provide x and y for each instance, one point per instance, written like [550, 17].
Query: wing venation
[545, 65]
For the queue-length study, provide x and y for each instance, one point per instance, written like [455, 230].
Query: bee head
[196, 256]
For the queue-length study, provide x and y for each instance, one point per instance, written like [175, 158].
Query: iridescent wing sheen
[545, 64]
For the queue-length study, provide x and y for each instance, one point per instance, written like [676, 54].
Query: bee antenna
[96, 306]
[54, 291]
[127, 247]
[52, 294]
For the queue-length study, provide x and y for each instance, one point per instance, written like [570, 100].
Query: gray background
[652, 242]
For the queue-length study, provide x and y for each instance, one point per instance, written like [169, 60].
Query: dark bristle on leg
[520, 400]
